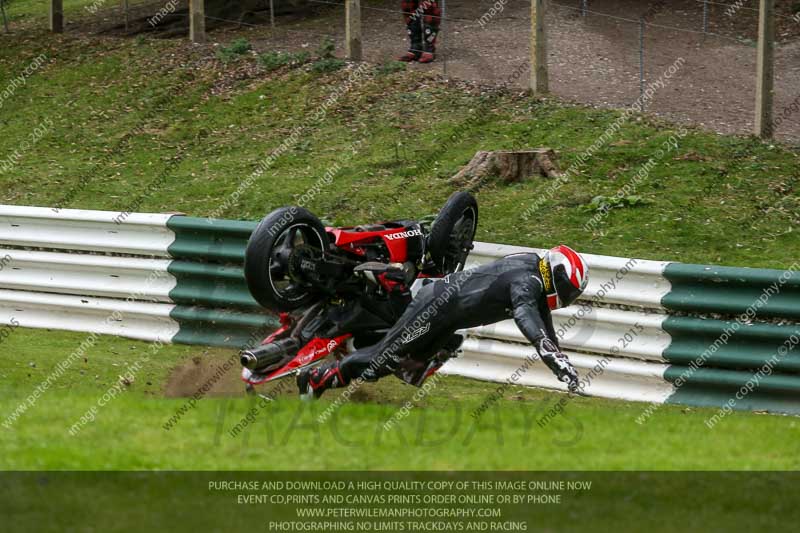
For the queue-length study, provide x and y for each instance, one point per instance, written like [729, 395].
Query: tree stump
[507, 165]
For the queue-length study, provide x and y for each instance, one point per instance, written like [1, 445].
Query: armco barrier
[179, 279]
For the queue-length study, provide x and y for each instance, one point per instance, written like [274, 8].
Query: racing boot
[312, 382]
[426, 57]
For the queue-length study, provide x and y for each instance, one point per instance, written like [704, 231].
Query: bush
[391, 67]
[326, 48]
[237, 48]
[276, 60]
[328, 64]
[326, 61]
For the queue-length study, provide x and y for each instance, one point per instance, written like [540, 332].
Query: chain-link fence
[686, 60]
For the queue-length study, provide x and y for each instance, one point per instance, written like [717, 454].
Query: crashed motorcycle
[336, 289]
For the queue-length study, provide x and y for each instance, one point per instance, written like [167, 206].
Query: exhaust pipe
[268, 354]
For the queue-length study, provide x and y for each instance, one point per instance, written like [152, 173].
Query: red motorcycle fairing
[315, 350]
[395, 239]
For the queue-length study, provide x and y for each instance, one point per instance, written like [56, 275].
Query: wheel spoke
[276, 270]
[288, 242]
[290, 288]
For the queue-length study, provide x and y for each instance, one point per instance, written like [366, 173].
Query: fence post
[3, 13]
[443, 41]
[641, 63]
[765, 69]
[705, 18]
[353, 29]
[197, 21]
[3, 10]
[539, 75]
[272, 14]
[56, 16]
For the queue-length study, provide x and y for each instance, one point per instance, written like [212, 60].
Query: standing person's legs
[411, 16]
[431, 21]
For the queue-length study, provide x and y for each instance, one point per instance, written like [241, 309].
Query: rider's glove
[558, 363]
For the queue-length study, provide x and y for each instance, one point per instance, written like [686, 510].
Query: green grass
[128, 432]
[413, 134]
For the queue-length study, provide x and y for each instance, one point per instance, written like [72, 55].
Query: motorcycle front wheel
[452, 233]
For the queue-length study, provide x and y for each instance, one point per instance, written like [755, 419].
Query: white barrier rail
[615, 378]
[135, 320]
[87, 275]
[75, 229]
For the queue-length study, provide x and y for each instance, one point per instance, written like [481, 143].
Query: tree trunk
[508, 166]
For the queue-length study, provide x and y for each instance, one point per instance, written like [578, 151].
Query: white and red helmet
[565, 275]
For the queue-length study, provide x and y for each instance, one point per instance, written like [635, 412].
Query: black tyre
[266, 261]
[452, 233]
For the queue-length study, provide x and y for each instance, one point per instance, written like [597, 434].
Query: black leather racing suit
[511, 287]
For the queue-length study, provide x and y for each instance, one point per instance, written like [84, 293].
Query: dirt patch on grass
[208, 375]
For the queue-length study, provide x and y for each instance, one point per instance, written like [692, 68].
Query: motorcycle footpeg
[376, 267]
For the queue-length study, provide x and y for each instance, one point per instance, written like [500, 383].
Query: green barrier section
[730, 345]
[214, 305]
[731, 290]
[734, 379]
[749, 367]
[210, 284]
[711, 387]
[207, 239]
[220, 327]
